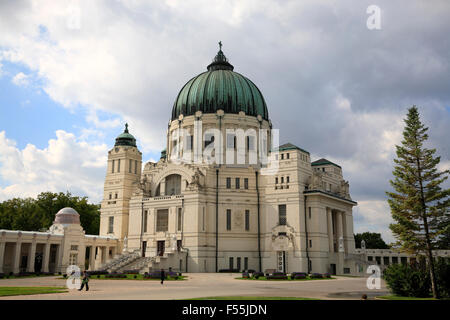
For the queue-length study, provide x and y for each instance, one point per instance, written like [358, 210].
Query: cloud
[21, 79]
[67, 163]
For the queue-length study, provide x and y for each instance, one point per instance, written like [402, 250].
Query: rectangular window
[74, 247]
[162, 220]
[394, 260]
[282, 214]
[231, 138]
[129, 167]
[145, 220]
[209, 138]
[369, 258]
[179, 222]
[238, 183]
[247, 220]
[346, 270]
[287, 155]
[238, 263]
[231, 263]
[287, 179]
[276, 180]
[228, 183]
[282, 156]
[110, 196]
[111, 225]
[116, 195]
[246, 263]
[310, 243]
[386, 261]
[118, 165]
[135, 166]
[189, 141]
[282, 179]
[112, 166]
[228, 219]
[250, 143]
[179, 244]
[246, 183]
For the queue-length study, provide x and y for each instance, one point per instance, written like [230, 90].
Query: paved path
[201, 285]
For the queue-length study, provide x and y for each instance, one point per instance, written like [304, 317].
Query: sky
[72, 73]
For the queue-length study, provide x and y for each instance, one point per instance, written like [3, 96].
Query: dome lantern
[125, 138]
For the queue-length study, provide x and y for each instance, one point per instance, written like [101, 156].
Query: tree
[373, 240]
[419, 206]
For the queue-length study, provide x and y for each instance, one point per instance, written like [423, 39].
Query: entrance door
[281, 263]
[333, 269]
[161, 247]
[144, 247]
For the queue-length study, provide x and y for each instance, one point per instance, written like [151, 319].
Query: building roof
[125, 138]
[290, 146]
[324, 162]
[67, 215]
[220, 88]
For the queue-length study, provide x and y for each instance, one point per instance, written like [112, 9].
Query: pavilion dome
[220, 88]
[67, 215]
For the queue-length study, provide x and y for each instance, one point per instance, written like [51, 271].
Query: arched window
[173, 185]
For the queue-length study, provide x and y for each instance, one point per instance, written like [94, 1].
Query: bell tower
[123, 172]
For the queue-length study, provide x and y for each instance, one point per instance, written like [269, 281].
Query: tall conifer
[419, 205]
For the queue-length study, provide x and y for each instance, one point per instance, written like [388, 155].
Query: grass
[18, 291]
[138, 277]
[28, 276]
[288, 279]
[252, 298]
[395, 297]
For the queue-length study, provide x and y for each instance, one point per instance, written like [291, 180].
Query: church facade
[221, 209]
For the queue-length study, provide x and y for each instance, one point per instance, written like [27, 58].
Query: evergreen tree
[373, 240]
[419, 205]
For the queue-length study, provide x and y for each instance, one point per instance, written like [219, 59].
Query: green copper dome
[220, 88]
[125, 138]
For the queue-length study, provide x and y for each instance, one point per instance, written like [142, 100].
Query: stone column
[59, 258]
[2, 255]
[339, 226]
[46, 257]
[31, 257]
[162, 187]
[330, 230]
[17, 251]
[108, 257]
[103, 256]
[92, 258]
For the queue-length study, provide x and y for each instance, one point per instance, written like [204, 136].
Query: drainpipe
[217, 217]
[306, 233]
[259, 227]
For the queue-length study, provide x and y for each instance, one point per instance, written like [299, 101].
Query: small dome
[125, 138]
[67, 215]
[220, 88]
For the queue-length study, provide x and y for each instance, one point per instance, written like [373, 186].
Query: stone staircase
[149, 264]
[120, 261]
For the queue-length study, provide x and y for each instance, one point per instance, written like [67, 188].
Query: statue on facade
[344, 189]
[125, 244]
[316, 181]
[341, 244]
[195, 181]
[363, 245]
[145, 186]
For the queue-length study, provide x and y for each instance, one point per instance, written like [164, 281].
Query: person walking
[85, 281]
[163, 275]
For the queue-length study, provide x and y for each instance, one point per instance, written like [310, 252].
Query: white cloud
[67, 163]
[21, 79]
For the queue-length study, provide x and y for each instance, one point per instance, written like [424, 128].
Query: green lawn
[30, 276]
[394, 297]
[17, 291]
[252, 298]
[132, 277]
[288, 279]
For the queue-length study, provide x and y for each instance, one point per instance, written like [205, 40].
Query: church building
[208, 216]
